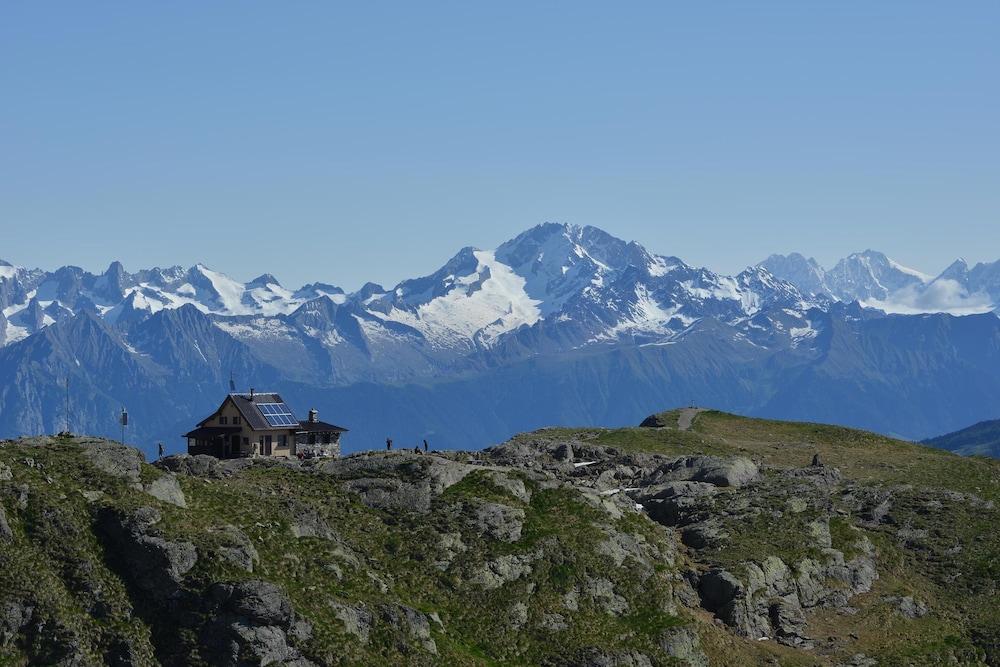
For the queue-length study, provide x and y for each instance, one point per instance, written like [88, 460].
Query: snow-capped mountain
[605, 287]
[876, 281]
[559, 323]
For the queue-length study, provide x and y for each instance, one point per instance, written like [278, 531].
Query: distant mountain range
[877, 281]
[982, 439]
[560, 324]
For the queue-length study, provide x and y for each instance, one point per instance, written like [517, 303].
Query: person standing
[161, 450]
[388, 444]
[425, 445]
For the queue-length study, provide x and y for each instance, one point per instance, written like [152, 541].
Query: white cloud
[940, 296]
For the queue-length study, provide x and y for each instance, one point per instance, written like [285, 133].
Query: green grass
[377, 557]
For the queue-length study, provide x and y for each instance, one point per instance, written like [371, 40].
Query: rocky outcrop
[200, 465]
[497, 521]
[236, 547]
[770, 598]
[6, 534]
[113, 458]
[252, 623]
[151, 563]
[396, 481]
[166, 488]
[501, 570]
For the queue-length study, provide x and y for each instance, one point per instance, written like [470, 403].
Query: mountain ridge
[573, 312]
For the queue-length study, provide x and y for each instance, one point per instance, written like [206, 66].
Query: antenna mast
[67, 404]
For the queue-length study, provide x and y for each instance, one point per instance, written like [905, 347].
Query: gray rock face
[357, 620]
[500, 522]
[771, 597]
[510, 484]
[252, 623]
[603, 594]
[412, 624]
[595, 657]
[788, 620]
[114, 458]
[149, 562]
[563, 452]
[391, 494]
[200, 465]
[237, 547]
[703, 534]
[517, 615]
[684, 644]
[501, 570]
[397, 481]
[307, 522]
[908, 607]
[737, 471]
[14, 617]
[167, 489]
[6, 534]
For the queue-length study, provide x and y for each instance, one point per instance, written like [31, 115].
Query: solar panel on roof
[277, 414]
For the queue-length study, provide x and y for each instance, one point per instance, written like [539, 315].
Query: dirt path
[686, 417]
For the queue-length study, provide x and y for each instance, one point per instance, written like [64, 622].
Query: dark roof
[251, 413]
[254, 418]
[205, 432]
[318, 426]
[248, 408]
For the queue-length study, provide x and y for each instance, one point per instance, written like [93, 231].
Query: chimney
[313, 415]
[251, 393]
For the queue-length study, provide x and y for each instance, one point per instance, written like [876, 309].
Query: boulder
[306, 521]
[356, 619]
[200, 465]
[510, 484]
[166, 488]
[737, 471]
[908, 607]
[114, 459]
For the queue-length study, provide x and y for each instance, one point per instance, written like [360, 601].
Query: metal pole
[67, 404]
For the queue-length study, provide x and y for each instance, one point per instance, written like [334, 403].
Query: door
[234, 446]
[266, 449]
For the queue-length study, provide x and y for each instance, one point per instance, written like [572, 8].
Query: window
[236, 419]
[326, 438]
[284, 441]
[223, 419]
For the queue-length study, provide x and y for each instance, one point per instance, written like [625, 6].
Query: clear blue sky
[369, 141]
